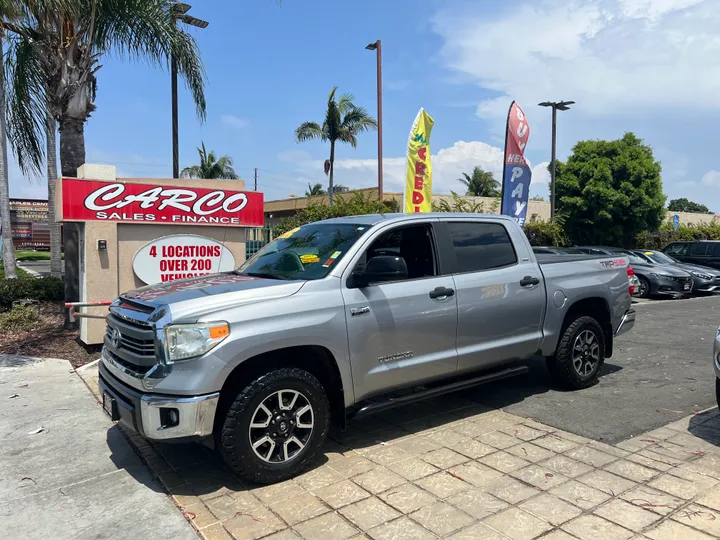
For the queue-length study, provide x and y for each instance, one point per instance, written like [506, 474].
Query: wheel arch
[597, 308]
[315, 359]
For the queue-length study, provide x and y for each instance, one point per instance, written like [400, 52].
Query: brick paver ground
[449, 468]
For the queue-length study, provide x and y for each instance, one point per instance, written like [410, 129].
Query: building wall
[537, 210]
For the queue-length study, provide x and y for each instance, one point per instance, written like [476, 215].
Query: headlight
[653, 275]
[190, 340]
[701, 276]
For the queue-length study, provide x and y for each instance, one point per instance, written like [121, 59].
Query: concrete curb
[33, 273]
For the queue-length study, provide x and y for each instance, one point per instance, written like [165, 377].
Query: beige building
[537, 210]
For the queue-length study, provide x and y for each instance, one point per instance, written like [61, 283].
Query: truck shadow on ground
[706, 426]
[192, 472]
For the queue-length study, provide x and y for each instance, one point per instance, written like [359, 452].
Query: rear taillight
[630, 274]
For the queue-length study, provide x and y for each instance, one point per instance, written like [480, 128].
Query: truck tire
[580, 354]
[275, 426]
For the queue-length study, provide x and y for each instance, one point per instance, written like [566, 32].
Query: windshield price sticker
[332, 258]
[181, 256]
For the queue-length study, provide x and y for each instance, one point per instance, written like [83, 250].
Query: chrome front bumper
[144, 413]
[626, 323]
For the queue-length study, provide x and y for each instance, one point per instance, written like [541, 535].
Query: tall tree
[315, 190]
[210, 167]
[684, 205]
[343, 122]
[609, 191]
[480, 184]
[8, 10]
[70, 36]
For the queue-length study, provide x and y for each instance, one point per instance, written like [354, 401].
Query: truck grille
[130, 343]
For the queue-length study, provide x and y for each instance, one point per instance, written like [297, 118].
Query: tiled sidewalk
[451, 469]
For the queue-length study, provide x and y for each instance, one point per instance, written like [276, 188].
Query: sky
[647, 66]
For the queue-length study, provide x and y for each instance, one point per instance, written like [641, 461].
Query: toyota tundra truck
[349, 317]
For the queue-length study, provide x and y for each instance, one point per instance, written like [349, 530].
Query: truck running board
[397, 401]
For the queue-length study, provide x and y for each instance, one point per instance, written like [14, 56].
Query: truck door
[401, 332]
[500, 294]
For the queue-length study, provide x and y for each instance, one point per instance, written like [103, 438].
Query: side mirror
[381, 268]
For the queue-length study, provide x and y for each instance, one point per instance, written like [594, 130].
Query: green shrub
[356, 204]
[547, 233]
[49, 289]
[667, 234]
[19, 318]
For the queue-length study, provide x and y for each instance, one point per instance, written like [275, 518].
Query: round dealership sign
[181, 256]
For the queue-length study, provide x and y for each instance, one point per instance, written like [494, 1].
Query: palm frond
[26, 103]
[308, 131]
[147, 30]
[345, 103]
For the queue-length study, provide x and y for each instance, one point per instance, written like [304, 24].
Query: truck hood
[216, 291]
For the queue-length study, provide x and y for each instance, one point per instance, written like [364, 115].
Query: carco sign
[181, 256]
[84, 200]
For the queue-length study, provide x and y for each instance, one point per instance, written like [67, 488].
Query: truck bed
[548, 258]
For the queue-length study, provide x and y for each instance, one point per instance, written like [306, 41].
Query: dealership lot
[587, 464]
[660, 371]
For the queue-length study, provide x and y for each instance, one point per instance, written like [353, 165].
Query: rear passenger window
[699, 249]
[481, 246]
[716, 250]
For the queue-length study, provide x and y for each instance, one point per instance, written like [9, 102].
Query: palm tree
[70, 36]
[480, 184]
[343, 122]
[315, 191]
[8, 10]
[210, 167]
[56, 51]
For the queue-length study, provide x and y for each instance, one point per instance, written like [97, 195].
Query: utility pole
[180, 11]
[556, 106]
[377, 46]
[255, 179]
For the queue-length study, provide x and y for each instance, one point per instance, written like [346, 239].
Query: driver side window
[414, 244]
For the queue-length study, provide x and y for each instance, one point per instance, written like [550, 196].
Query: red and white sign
[181, 256]
[92, 200]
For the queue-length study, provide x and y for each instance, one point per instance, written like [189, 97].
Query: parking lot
[517, 459]
[471, 464]
[660, 371]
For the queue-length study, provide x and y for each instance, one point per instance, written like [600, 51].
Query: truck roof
[371, 219]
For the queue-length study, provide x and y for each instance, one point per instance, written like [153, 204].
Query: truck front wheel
[579, 355]
[275, 426]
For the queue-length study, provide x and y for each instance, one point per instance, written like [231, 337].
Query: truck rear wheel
[580, 354]
[275, 426]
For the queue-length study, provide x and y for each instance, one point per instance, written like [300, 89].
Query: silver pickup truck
[348, 317]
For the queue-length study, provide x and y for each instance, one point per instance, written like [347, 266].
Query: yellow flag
[418, 181]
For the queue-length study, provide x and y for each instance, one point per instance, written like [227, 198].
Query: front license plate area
[109, 406]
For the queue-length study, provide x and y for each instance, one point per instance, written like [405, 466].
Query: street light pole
[556, 106]
[180, 12]
[377, 46]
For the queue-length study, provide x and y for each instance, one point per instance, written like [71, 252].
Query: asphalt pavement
[660, 372]
[66, 472]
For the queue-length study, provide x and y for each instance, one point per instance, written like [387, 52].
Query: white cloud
[711, 178]
[611, 57]
[234, 121]
[540, 173]
[448, 165]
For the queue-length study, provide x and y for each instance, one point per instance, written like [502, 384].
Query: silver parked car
[332, 319]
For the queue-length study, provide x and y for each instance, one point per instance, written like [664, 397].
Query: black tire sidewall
[646, 294]
[561, 365]
[235, 444]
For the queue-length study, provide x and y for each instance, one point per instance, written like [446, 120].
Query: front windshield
[634, 258]
[660, 258]
[308, 252]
